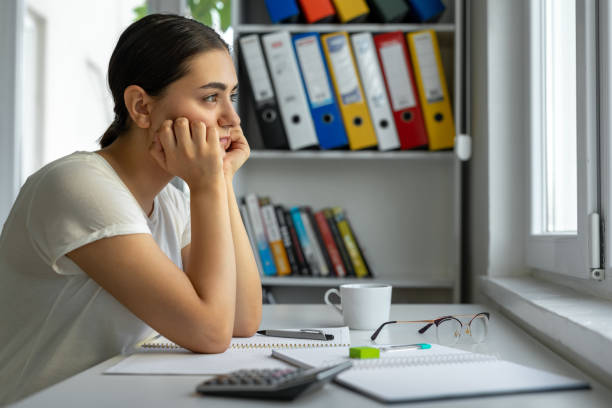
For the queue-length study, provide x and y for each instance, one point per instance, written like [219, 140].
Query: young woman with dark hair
[99, 247]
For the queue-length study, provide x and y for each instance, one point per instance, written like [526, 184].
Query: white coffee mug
[364, 306]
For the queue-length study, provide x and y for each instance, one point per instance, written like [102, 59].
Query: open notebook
[158, 355]
[429, 374]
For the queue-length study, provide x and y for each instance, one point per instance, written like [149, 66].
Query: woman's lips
[225, 142]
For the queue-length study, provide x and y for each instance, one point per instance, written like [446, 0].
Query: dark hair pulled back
[152, 53]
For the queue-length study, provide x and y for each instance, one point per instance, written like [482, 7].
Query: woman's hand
[237, 153]
[189, 151]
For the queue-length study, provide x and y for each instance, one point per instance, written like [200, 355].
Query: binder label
[370, 75]
[344, 70]
[313, 70]
[394, 64]
[426, 58]
[256, 68]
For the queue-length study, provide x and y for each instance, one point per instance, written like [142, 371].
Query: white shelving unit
[404, 206]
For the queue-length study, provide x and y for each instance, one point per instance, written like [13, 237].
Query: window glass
[559, 164]
[66, 102]
[215, 14]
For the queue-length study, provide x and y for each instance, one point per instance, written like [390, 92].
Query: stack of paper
[161, 356]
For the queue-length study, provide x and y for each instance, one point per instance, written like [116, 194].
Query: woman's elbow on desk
[247, 329]
[247, 324]
[214, 344]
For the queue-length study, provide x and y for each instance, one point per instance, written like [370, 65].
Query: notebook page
[193, 364]
[309, 358]
[436, 373]
[245, 353]
[341, 338]
[442, 381]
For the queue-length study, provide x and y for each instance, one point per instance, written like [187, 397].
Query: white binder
[374, 88]
[291, 96]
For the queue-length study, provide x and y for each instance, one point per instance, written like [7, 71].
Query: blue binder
[319, 91]
[283, 11]
[426, 10]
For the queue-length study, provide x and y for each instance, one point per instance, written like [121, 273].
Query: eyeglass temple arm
[377, 332]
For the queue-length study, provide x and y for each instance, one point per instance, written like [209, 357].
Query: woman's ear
[138, 104]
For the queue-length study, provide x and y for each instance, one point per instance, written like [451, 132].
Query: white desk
[93, 389]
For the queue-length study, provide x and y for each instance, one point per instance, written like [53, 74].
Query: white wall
[508, 69]
[478, 173]
[499, 117]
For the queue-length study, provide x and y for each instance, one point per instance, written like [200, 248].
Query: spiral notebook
[431, 374]
[159, 356]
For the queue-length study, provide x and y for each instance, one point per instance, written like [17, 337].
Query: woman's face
[205, 93]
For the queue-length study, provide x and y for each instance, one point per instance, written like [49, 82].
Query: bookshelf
[404, 206]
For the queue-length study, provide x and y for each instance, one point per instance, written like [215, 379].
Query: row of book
[298, 241]
[361, 91]
[353, 11]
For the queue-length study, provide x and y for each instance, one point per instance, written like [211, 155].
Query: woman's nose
[229, 117]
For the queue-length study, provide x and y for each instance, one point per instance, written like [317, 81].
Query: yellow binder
[351, 10]
[349, 91]
[433, 92]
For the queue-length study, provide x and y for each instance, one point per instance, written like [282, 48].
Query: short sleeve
[77, 202]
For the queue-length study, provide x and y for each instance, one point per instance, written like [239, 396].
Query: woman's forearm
[248, 283]
[211, 266]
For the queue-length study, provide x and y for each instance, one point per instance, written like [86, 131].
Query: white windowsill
[575, 325]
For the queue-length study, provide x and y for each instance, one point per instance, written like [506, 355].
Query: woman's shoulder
[81, 177]
[71, 165]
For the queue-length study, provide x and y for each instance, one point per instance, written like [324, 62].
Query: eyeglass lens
[448, 331]
[478, 328]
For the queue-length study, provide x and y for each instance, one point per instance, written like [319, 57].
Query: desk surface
[93, 389]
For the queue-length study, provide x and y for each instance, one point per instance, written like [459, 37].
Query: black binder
[266, 108]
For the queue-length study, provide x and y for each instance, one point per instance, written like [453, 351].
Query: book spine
[361, 270]
[314, 242]
[304, 241]
[359, 247]
[274, 239]
[346, 259]
[286, 237]
[267, 263]
[319, 236]
[303, 268]
[330, 244]
[249, 229]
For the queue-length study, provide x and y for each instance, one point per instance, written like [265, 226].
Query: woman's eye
[211, 98]
[234, 97]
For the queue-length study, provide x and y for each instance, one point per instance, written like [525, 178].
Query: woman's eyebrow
[217, 85]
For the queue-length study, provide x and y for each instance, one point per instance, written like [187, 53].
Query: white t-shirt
[55, 321]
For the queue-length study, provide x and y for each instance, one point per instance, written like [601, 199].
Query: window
[66, 102]
[564, 222]
[215, 14]
[558, 161]
[32, 136]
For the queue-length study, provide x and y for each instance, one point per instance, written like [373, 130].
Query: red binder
[401, 88]
[317, 11]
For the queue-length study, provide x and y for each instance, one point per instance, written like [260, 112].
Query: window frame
[11, 48]
[571, 255]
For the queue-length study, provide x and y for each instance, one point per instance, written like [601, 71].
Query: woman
[99, 247]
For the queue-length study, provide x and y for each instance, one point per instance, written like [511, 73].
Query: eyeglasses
[450, 328]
